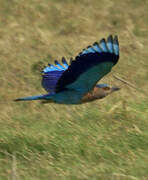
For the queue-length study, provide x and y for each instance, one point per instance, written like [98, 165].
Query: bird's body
[76, 83]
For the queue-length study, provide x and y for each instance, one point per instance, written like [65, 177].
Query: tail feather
[30, 98]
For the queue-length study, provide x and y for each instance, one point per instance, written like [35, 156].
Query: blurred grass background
[102, 140]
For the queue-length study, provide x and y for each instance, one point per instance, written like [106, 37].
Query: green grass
[102, 140]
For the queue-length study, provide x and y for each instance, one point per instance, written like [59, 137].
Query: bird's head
[105, 89]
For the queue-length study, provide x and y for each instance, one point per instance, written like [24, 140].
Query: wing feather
[52, 73]
[90, 66]
[103, 45]
[88, 79]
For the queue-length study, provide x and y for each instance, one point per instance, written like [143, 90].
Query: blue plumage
[85, 51]
[97, 48]
[83, 63]
[68, 84]
[59, 65]
[65, 64]
[52, 73]
[90, 49]
[103, 45]
[30, 98]
[50, 80]
[116, 46]
[110, 44]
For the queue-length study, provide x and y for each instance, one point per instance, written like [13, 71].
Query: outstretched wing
[90, 66]
[52, 73]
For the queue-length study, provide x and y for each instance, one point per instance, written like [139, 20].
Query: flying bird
[76, 83]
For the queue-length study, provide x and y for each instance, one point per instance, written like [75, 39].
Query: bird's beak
[114, 88]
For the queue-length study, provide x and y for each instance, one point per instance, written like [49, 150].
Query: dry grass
[105, 139]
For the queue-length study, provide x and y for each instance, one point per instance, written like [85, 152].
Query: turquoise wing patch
[90, 65]
[88, 79]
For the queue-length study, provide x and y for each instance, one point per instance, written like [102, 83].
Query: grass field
[102, 140]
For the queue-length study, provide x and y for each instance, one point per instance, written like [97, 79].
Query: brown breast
[96, 93]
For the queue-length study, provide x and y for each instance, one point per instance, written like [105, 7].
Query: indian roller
[76, 82]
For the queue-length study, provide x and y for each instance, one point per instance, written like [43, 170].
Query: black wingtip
[71, 60]
[64, 60]
[88, 47]
[95, 43]
[110, 38]
[116, 39]
[103, 40]
[56, 62]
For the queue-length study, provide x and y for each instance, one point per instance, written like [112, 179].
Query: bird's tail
[30, 98]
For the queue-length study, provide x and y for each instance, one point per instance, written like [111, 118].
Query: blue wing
[90, 66]
[52, 73]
